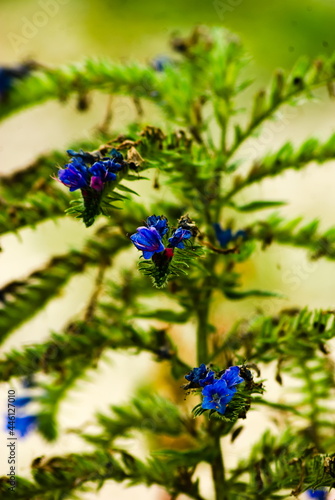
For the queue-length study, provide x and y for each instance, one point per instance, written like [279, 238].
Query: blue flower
[148, 240]
[111, 164]
[20, 402]
[200, 376]
[26, 424]
[231, 377]
[209, 379]
[160, 223]
[103, 171]
[217, 396]
[225, 236]
[178, 236]
[83, 156]
[6, 79]
[197, 374]
[159, 63]
[28, 381]
[116, 155]
[75, 175]
[320, 494]
[9, 74]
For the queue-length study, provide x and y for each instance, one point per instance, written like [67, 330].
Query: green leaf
[238, 295]
[166, 315]
[258, 205]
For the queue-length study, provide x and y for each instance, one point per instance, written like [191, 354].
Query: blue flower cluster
[149, 238]
[225, 236]
[87, 171]
[217, 392]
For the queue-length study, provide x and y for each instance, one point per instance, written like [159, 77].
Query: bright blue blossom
[75, 175]
[148, 240]
[319, 494]
[231, 377]
[178, 236]
[225, 236]
[24, 425]
[209, 379]
[103, 171]
[217, 396]
[160, 223]
[20, 402]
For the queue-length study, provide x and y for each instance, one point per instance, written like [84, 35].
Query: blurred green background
[275, 32]
[54, 32]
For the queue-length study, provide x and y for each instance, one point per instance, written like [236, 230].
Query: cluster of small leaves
[177, 267]
[277, 468]
[145, 412]
[61, 477]
[277, 229]
[288, 156]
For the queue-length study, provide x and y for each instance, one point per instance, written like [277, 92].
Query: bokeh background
[275, 34]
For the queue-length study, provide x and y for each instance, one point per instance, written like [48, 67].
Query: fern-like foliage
[183, 166]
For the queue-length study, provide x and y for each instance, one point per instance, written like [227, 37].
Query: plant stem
[203, 312]
[218, 473]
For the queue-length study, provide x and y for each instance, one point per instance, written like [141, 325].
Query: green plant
[193, 153]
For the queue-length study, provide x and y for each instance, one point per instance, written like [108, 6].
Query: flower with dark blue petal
[209, 379]
[6, 80]
[116, 155]
[25, 425]
[20, 402]
[178, 236]
[159, 63]
[158, 222]
[111, 164]
[319, 494]
[29, 382]
[217, 396]
[83, 156]
[102, 172]
[148, 240]
[232, 377]
[225, 236]
[9, 74]
[200, 376]
[75, 175]
[197, 374]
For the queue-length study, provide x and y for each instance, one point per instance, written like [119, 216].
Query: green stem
[218, 473]
[313, 401]
[202, 331]
[267, 114]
